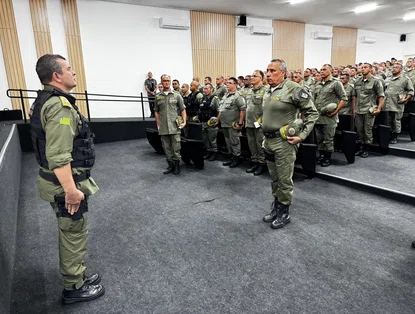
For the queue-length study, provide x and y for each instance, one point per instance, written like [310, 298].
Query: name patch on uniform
[65, 121]
[276, 98]
[65, 102]
[160, 97]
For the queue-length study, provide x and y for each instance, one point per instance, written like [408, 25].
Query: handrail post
[23, 108]
[142, 106]
[87, 106]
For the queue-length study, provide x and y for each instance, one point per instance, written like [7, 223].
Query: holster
[269, 156]
[63, 211]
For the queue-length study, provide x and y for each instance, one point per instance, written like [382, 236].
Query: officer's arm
[307, 109]
[183, 110]
[60, 123]
[381, 96]
[242, 109]
[156, 113]
[410, 90]
[145, 86]
[341, 93]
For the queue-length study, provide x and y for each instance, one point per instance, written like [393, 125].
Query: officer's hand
[238, 127]
[73, 200]
[182, 125]
[402, 101]
[263, 144]
[332, 114]
[294, 140]
[376, 112]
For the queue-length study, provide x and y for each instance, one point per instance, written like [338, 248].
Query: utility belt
[272, 134]
[54, 179]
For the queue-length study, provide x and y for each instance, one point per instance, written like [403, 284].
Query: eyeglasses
[165, 80]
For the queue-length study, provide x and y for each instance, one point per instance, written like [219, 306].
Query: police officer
[150, 85]
[368, 97]
[308, 78]
[208, 109]
[176, 87]
[282, 103]
[254, 98]
[348, 107]
[220, 89]
[410, 71]
[327, 91]
[195, 99]
[398, 90]
[185, 94]
[231, 116]
[170, 118]
[64, 149]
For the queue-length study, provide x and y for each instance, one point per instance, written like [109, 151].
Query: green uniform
[220, 91]
[396, 88]
[61, 123]
[178, 91]
[348, 107]
[281, 107]
[331, 91]
[169, 108]
[411, 75]
[210, 134]
[254, 99]
[231, 106]
[308, 81]
[367, 93]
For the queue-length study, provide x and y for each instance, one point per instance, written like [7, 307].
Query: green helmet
[292, 129]
[328, 108]
[212, 121]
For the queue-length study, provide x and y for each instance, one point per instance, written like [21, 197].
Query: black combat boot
[236, 161]
[365, 153]
[260, 170]
[273, 214]
[170, 169]
[359, 150]
[394, 138]
[212, 157]
[283, 217]
[229, 161]
[321, 158]
[252, 168]
[83, 294]
[176, 167]
[92, 279]
[327, 159]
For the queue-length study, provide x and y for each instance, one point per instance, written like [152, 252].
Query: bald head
[194, 86]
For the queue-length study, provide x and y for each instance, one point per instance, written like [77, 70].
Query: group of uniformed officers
[279, 109]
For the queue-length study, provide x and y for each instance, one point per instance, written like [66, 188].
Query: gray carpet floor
[195, 243]
[4, 133]
[404, 141]
[391, 172]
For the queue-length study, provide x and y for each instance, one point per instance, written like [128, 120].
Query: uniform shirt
[282, 105]
[220, 91]
[231, 106]
[397, 88]
[367, 93]
[349, 89]
[61, 123]
[254, 99]
[211, 101]
[178, 91]
[308, 81]
[411, 75]
[169, 108]
[331, 91]
[151, 84]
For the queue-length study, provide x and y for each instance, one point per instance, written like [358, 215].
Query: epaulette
[65, 102]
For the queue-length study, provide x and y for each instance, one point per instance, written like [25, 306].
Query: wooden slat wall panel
[73, 42]
[213, 44]
[343, 46]
[41, 29]
[11, 52]
[288, 43]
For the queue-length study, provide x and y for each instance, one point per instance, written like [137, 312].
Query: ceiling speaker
[403, 37]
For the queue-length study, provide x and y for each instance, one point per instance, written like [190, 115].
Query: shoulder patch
[216, 97]
[240, 93]
[65, 102]
[65, 121]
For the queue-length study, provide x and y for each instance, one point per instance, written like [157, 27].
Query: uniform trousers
[364, 126]
[395, 121]
[255, 138]
[73, 236]
[325, 136]
[171, 146]
[281, 170]
[233, 142]
[209, 136]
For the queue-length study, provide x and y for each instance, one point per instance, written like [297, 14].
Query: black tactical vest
[83, 151]
[193, 107]
[205, 110]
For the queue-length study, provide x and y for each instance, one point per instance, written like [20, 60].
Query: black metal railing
[86, 97]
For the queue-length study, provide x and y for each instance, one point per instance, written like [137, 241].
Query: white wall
[409, 45]
[57, 28]
[316, 52]
[5, 102]
[27, 43]
[252, 51]
[121, 43]
[387, 46]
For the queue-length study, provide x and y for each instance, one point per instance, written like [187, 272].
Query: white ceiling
[387, 18]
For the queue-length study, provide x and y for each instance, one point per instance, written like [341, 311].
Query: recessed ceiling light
[297, 1]
[366, 7]
[409, 16]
